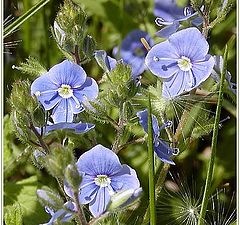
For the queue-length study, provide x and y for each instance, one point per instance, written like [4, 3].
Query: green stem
[151, 166]
[214, 145]
[19, 21]
[80, 213]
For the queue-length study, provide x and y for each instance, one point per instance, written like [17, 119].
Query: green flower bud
[73, 177]
[89, 46]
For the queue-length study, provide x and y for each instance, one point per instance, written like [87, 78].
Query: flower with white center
[102, 177]
[182, 61]
[64, 88]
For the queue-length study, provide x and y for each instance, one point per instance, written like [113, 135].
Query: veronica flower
[161, 148]
[133, 52]
[76, 127]
[102, 176]
[62, 215]
[64, 88]
[217, 70]
[182, 61]
[170, 15]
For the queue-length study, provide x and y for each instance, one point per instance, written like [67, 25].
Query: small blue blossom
[161, 148]
[133, 52]
[102, 176]
[63, 89]
[170, 15]
[62, 215]
[217, 70]
[76, 127]
[182, 61]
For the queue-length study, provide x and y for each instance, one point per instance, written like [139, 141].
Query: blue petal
[168, 10]
[99, 205]
[164, 152]
[168, 30]
[175, 85]
[63, 112]
[88, 90]
[88, 190]
[162, 60]
[99, 161]
[190, 43]
[201, 70]
[127, 177]
[76, 127]
[143, 120]
[69, 73]
[46, 91]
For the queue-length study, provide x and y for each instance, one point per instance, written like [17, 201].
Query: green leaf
[24, 193]
[31, 67]
[13, 215]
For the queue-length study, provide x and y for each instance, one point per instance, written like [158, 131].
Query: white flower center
[184, 63]
[65, 91]
[102, 180]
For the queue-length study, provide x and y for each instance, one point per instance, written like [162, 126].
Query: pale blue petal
[99, 161]
[76, 127]
[165, 32]
[68, 73]
[127, 176]
[202, 70]
[175, 85]
[88, 191]
[63, 112]
[162, 60]
[88, 90]
[99, 205]
[190, 43]
[46, 91]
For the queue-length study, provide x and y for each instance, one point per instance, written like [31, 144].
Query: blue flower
[170, 15]
[217, 69]
[76, 127]
[64, 88]
[161, 148]
[133, 52]
[182, 61]
[62, 215]
[102, 176]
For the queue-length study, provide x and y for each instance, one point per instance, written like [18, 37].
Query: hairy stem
[80, 213]
[151, 166]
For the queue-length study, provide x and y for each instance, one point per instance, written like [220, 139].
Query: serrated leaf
[31, 67]
[13, 215]
[24, 193]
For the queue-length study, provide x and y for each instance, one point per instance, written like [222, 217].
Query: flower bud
[73, 177]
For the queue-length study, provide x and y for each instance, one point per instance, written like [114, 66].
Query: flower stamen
[184, 63]
[65, 91]
[102, 180]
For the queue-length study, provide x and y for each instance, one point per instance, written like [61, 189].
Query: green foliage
[13, 215]
[58, 159]
[23, 193]
[23, 107]
[31, 67]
